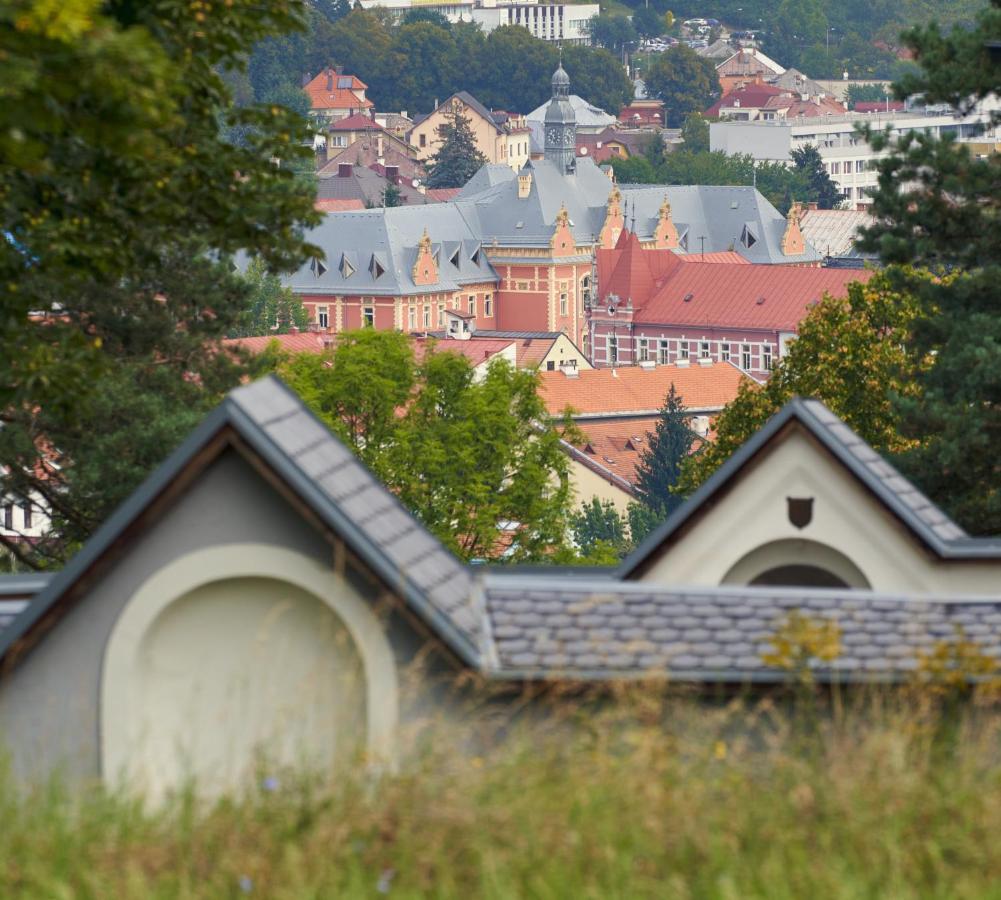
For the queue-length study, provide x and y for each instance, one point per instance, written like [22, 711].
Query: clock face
[568, 137]
[553, 136]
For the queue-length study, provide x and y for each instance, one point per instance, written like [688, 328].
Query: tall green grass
[653, 795]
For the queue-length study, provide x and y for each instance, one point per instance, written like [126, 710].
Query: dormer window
[475, 257]
[317, 267]
[346, 269]
[454, 257]
[376, 268]
[747, 237]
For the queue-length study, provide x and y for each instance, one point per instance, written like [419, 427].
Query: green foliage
[457, 158]
[642, 521]
[598, 77]
[857, 355]
[392, 196]
[597, 523]
[685, 81]
[615, 33]
[695, 133]
[271, 308]
[660, 463]
[648, 22]
[938, 207]
[487, 481]
[823, 191]
[124, 204]
[861, 93]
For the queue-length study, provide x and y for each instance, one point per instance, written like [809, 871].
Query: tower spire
[561, 123]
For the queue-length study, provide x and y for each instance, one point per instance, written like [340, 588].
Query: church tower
[561, 125]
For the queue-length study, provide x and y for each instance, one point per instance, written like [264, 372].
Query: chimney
[524, 185]
[330, 80]
[294, 329]
[392, 173]
[306, 79]
[344, 170]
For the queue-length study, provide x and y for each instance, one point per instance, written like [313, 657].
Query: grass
[654, 796]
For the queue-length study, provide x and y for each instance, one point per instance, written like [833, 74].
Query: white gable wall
[747, 531]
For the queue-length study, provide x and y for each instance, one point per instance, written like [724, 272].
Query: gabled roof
[301, 452]
[753, 96]
[749, 61]
[635, 392]
[929, 525]
[356, 122]
[615, 445]
[834, 231]
[299, 342]
[341, 94]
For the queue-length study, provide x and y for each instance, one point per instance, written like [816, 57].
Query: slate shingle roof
[582, 629]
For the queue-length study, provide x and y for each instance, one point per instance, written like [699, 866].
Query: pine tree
[823, 191]
[458, 159]
[660, 464]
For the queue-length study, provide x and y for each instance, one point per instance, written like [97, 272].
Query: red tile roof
[753, 96]
[476, 350]
[634, 391]
[301, 342]
[442, 195]
[773, 298]
[868, 106]
[724, 256]
[338, 204]
[341, 97]
[632, 273]
[356, 122]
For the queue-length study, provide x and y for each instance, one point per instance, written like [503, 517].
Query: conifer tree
[660, 464]
[458, 159]
[823, 191]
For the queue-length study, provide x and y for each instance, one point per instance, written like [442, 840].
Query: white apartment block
[558, 22]
[847, 156]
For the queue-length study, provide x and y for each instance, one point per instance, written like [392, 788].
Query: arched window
[585, 290]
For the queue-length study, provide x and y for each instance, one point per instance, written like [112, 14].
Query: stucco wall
[754, 515]
[49, 703]
[587, 483]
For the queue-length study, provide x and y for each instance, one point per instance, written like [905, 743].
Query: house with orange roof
[334, 95]
[746, 66]
[616, 412]
[656, 307]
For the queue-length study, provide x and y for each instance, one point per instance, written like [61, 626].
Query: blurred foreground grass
[656, 795]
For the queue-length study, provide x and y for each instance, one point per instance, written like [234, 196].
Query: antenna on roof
[633, 229]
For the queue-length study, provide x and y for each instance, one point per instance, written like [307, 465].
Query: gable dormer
[665, 235]
[614, 221]
[562, 241]
[425, 269]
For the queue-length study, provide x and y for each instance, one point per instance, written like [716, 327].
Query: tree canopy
[457, 158]
[660, 463]
[123, 203]
[685, 81]
[467, 457]
[822, 191]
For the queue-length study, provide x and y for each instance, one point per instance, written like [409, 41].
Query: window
[613, 349]
[26, 512]
[441, 314]
[550, 366]
[745, 356]
[564, 303]
[835, 168]
[683, 350]
[412, 318]
[424, 140]
[488, 305]
[704, 350]
[643, 349]
[347, 269]
[663, 353]
[724, 352]
[368, 317]
[8, 516]
[766, 357]
[322, 316]
[860, 165]
[747, 237]
[472, 305]
[585, 290]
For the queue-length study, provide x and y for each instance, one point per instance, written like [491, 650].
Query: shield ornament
[800, 510]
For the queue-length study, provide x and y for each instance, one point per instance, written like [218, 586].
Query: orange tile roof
[338, 204]
[442, 195]
[723, 256]
[635, 391]
[476, 350]
[300, 342]
[341, 97]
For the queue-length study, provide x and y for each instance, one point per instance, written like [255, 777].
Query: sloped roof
[340, 97]
[338, 204]
[900, 497]
[794, 80]
[274, 423]
[637, 392]
[299, 342]
[442, 195]
[356, 122]
[476, 349]
[616, 445]
[749, 61]
[753, 96]
[834, 231]
[586, 115]
[774, 298]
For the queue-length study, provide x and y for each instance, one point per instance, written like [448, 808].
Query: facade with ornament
[517, 251]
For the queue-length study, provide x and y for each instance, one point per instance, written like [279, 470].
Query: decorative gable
[425, 269]
[665, 235]
[562, 241]
[614, 221]
[793, 242]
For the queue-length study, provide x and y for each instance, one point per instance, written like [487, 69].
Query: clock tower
[561, 125]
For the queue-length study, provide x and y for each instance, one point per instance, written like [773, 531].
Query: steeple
[561, 124]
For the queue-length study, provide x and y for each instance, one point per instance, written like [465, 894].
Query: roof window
[454, 257]
[747, 237]
[375, 267]
[317, 267]
[346, 269]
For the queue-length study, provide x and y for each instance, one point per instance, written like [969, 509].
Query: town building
[361, 140]
[368, 184]
[835, 232]
[847, 156]
[334, 95]
[745, 66]
[615, 143]
[517, 249]
[765, 101]
[563, 23]
[656, 307]
[263, 596]
[502, 137]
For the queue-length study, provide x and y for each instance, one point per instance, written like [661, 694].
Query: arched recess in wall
[236, 651]
[798, 562]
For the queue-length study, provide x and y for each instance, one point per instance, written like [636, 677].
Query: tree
[798, 24]
[272, 308]
[938, 206]
[660, 463]
[695, 133]
[614, 33]
[648, 22]
[392, 196]
[685, 81]
[856, 355]
[431, 67]
[490, 483]
[457, 159]
[598, 77]
[823, 191]
[515, 69]
[868, 93]
[598, 525]
[124, 204]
